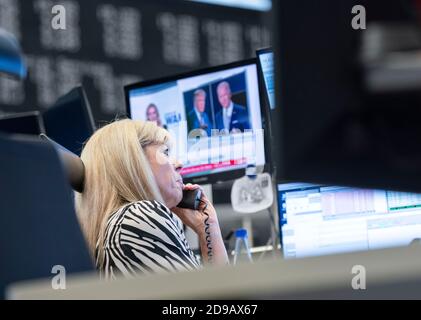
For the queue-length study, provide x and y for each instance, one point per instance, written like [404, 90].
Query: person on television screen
[152, 114]
[233, 117]
[198, 118]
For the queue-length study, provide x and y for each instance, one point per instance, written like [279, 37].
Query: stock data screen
[318, 220]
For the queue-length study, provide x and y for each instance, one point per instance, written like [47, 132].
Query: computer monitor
[69, 120]
[349, 97]
[265, 63]
[30, 123]
[319, 220]
[214, 115]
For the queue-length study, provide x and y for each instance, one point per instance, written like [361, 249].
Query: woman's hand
[195, 219]
[210, 238]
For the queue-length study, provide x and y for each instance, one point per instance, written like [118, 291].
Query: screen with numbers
[106, 44]
[318, 220]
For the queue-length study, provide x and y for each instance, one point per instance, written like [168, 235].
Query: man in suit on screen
[198, 118]
[233, 117]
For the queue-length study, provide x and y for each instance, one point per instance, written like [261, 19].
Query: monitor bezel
[223, 176]
[35, 115]
[261, 78]
[75, 94]
[89, 117]
[264, 99]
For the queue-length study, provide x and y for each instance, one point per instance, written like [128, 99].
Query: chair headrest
[73, 165]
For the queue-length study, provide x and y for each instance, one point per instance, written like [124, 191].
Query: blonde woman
[128, 207]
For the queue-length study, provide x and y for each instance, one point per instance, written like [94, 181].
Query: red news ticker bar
[212, 166]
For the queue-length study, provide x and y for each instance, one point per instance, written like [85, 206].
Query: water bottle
[242, 250]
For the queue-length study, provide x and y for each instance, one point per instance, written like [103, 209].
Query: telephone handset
[191, 200]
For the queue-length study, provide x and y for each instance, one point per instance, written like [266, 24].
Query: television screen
[214, 116]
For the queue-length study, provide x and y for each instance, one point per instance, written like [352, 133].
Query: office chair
[72, 164]
[39, 225]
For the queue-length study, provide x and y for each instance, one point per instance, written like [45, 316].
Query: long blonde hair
[117, 172]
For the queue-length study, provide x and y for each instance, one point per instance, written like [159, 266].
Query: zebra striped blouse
[145, 237]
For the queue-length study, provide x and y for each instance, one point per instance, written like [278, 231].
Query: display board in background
[107, 44]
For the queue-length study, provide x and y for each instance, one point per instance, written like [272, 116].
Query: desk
[390, 273]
